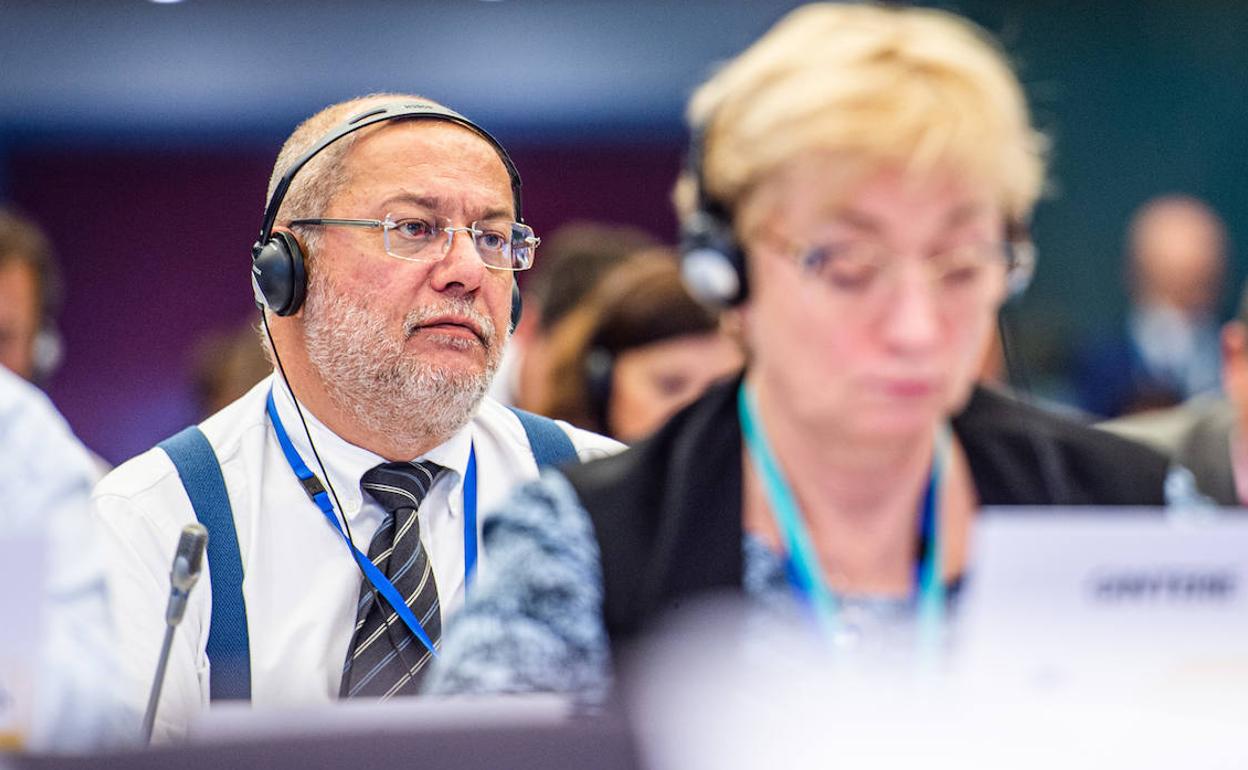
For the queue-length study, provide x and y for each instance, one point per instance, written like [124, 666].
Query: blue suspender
[550, 445]
[229, 649]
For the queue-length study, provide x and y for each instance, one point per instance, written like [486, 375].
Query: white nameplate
[1099, 596]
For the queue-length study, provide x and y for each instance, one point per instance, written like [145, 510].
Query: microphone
[188, 562]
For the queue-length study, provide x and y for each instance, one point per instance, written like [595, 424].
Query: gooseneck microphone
[188, 562]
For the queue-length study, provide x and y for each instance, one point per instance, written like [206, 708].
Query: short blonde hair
[915, 88]
[316, 183]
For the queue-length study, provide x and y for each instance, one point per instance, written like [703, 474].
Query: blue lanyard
[803, 561]
[316, 491]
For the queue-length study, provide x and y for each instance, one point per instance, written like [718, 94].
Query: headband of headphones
[393, 111]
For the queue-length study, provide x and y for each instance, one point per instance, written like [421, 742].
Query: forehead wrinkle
[497, 213]
[432, 202]
[439, 205]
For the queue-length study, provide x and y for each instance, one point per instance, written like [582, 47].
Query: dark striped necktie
[385, 658]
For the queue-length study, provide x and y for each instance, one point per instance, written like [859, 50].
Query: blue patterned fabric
[534, 623]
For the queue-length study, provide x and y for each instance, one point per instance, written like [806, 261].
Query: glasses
[867, 272]
[500, 243]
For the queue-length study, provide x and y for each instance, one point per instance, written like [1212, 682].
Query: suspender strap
[550, 445]
[229, 649]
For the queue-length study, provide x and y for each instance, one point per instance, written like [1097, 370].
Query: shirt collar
[346, 463]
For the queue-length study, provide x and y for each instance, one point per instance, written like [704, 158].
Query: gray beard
[382, 388]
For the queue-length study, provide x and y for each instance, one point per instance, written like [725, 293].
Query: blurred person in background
[1207, 433]
[46, 477]
[30, 295]
[859, 186]
[225, 365]
[636, 351]
[1168, 350]
[574, 259]
[30, 298]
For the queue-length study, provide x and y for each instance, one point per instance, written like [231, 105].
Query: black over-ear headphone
[712, 263]
[599, 372]
[279, 276]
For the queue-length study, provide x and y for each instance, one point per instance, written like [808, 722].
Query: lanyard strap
[316, 491]
[803, 561]
[470, 519]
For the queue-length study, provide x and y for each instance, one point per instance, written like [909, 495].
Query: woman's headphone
[712, 263]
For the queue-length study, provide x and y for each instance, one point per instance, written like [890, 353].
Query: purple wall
[154, 246]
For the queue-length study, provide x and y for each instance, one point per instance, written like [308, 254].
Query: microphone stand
[187, 564]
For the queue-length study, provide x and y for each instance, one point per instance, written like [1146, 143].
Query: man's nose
[460, 265]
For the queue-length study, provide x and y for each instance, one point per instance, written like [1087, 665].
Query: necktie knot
[399, 486]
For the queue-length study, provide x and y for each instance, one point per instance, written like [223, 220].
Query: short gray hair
[317, 182]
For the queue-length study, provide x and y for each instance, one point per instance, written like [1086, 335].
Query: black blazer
[667, 512]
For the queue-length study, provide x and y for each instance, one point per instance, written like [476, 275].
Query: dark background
[141, 136]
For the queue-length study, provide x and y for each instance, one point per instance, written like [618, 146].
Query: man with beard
[385, 273]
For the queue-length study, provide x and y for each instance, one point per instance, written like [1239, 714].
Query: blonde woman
[871, 170]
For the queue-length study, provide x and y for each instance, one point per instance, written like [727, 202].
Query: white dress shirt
[300, 583]
[45, 479]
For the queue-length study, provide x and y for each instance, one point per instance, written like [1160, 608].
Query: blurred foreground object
[1080, 644]
[68, 641]
[518, 733]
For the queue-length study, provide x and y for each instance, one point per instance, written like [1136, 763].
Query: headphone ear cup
[517, 304]
[279, 276]
[711, 262]
[1022, 268]
[599, 370]
[48, 351]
